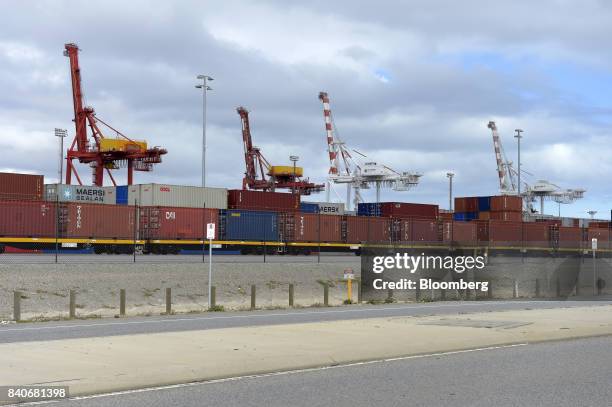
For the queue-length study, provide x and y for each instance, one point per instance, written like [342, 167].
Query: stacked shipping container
[262, 201]
[21, 187]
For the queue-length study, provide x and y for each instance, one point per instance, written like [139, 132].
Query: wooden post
[17, 306]
[291, 293]
[122, 302]
[213, 296]
[325, 294]
[253, 293]
[72, 304]
[168, 300]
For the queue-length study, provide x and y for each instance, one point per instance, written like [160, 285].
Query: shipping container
[466, 204]
[414, 230]
[536, 234]
[502, 233]
[409, 210]
[507, 203]
[330, 208]
[602, 236]
[485, 215]
[308, 227]
[465, 216]
[484, 203]
[482, 231]
[27, 219]
[508, 216]
[21, 187]
[263, 201]
[122, 195]
[80, 194]
[250, 225]
[463, 233]
[369, 209]
[309, 207]
[570, 237]
[180, 196]
[96, 221]
[175, 223]
[367, 229]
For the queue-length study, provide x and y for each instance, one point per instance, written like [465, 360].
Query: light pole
[450, 176]
[294, 159]
[519, 137]
[204, 88]
[61, 133]
[592, 213]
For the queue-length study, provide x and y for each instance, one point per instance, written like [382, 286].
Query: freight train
[166, 219]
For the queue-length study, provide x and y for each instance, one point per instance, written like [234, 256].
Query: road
[569, 373]
[24, 332]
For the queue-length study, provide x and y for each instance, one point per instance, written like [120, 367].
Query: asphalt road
[45, 258]
[571, 373]
[44, 331]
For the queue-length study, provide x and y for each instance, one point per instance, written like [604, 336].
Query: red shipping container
[312, 227]
[536, 234]
[262, 201]
[460, 232]
[415, 230]
[27, 219]
[570, 237]
[505, 233]
[21, 187]
[602, 236]
[506, 203]
[445, 216]
[408, 210]
[485, 215]
[367, 229]
[482, 231]
[173, 223]
[507, 216]
[466, 204]
[96, 221]
[598, 225]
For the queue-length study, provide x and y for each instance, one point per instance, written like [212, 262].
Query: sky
[412, 84]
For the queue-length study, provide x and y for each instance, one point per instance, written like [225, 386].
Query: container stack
[398, 210]
[323, 208]
[262, 201]
[21, 187]
[503, 207]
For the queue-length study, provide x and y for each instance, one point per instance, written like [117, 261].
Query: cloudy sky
[412, 84]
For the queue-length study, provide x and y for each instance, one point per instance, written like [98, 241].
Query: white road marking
[271, 374]
[283, 314]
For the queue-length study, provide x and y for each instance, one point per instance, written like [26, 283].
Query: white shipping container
[177, 195]
[80, 193]
[330, 208]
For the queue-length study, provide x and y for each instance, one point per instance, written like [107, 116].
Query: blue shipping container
[251, 225]
[484, 203]
[122, 195]
[369, 209]
[309, 207]
[465, 216]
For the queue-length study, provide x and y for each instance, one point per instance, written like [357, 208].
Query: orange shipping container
[506, 203]
[170, 223]
[311, 227]
[367, 229]
[536, 234]
[507, 216]
[460, 232]
[505, 233]
[96, 221]
[27, 219]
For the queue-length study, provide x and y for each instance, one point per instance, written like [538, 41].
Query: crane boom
[507, 184]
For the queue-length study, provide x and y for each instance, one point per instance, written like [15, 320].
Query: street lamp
[519, 137]
[450, 176]
[61, 134]
[294, 159]
[204, 88]
[592, 213]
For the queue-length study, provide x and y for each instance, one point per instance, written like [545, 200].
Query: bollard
[213, 296]
[558, 287]
[168, 300]
[122, 302]
[253, 291]
[359, 292]
[291, 292]
[537, 288]
[515, 290]
[17, 306]
[72, 304]
[326, 294]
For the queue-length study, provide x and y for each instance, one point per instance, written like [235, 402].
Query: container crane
[100, 152]
[261, 175]
[343, 169]
[541, 189]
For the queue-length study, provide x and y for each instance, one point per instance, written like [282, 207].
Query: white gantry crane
[343, 169]
[541, 189]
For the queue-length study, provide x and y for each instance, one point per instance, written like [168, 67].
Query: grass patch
[216, 308]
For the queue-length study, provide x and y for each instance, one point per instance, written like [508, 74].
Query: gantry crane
[102, 153]
[258, 168]
[344, 170]
[541, 189]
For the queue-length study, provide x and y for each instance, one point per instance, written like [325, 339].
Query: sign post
[594, 249]
[349, 276]
[210, 235]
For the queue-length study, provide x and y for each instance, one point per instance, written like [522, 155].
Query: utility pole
[450, 176]
[61, 134]
[294, 159]
[204, 88]
[519, 137]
